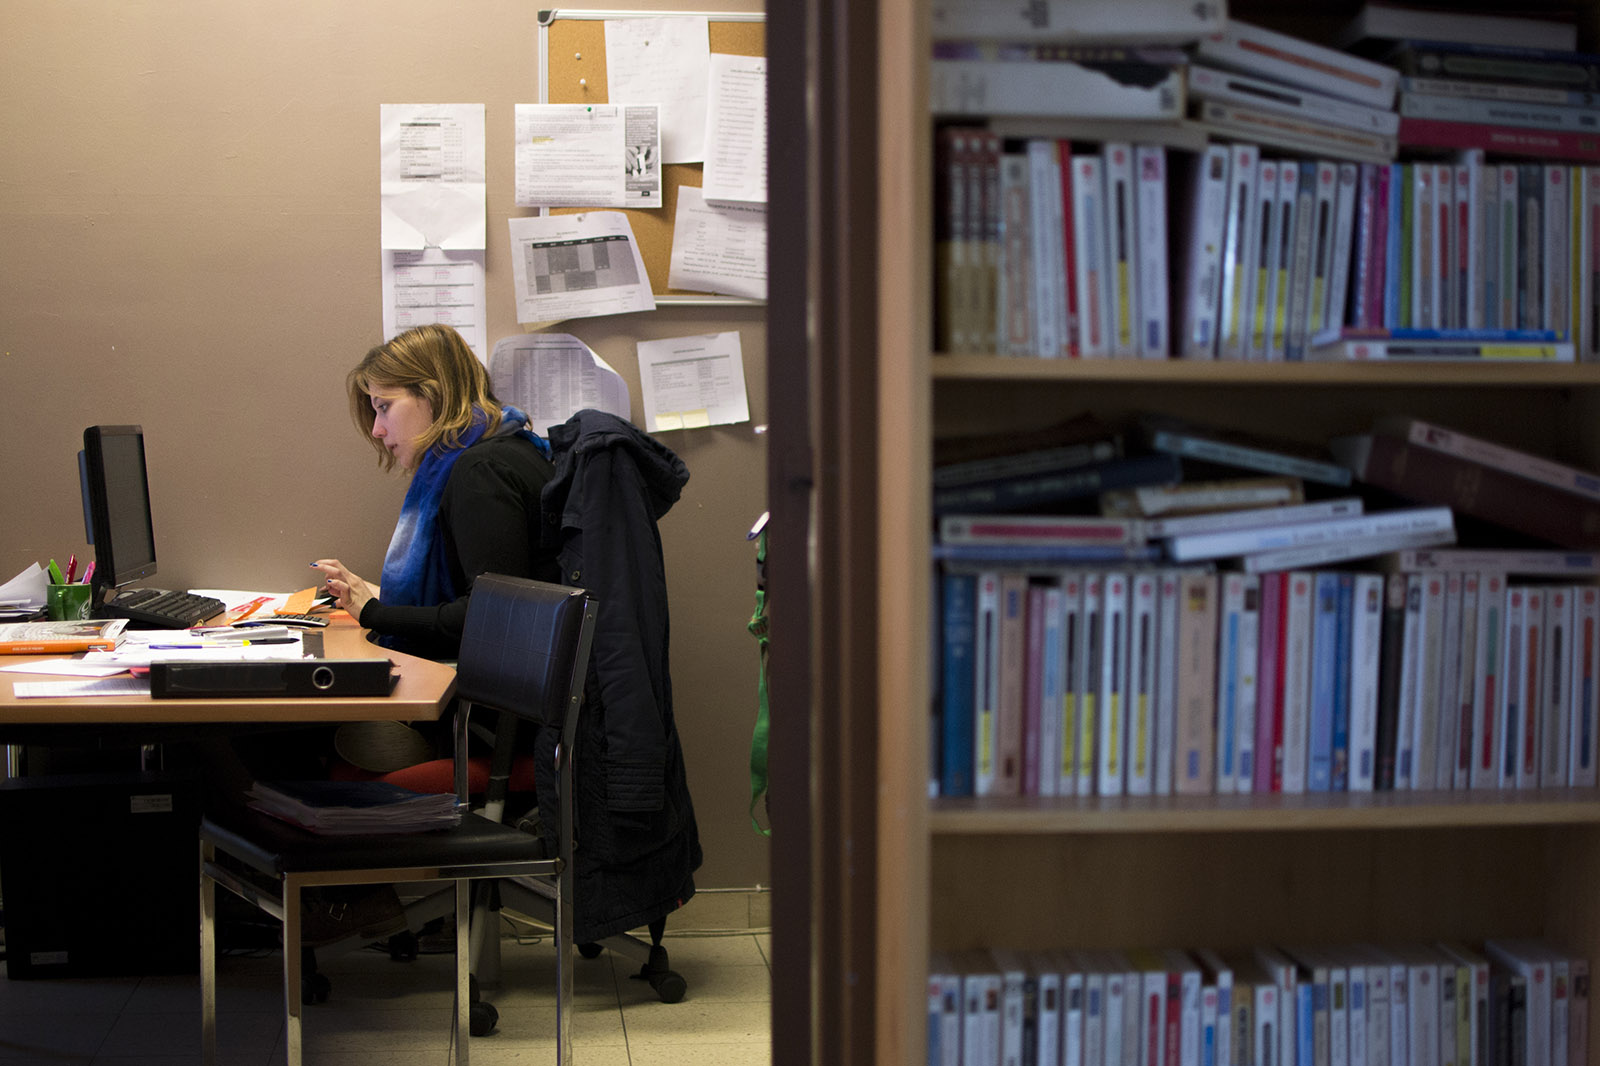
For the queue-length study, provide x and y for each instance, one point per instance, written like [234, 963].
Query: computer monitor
[116, 504]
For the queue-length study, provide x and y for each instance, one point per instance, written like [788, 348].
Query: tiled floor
[384, 1013]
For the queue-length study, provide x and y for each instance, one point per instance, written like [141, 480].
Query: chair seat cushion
[276, 848]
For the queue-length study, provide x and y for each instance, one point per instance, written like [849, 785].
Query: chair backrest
[525, 648]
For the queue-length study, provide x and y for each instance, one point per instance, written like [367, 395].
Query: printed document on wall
[718, 248]
[736, 130]
[432, 178]
[436, 285]
[663, 61]
[577, 266]
[588, 155]
[553, 376]
[693, 381]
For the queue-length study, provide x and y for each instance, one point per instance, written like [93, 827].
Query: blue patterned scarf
[415, 570]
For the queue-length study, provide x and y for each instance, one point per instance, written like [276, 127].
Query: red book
[1546, 144]
[1269, 685]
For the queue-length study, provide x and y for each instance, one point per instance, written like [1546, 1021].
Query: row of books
[1065, 249]
[1505, 1002]
[1172, 681]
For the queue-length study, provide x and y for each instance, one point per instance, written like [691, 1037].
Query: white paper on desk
[127, 655]
[663, 60]
[577, 266]
[693, 381]
[736, 130]
[719, 248]
[434, 285]
[103, 686]
[27, 589]
[66, 667]
[553, 376]
[433, 189]
[588, 155]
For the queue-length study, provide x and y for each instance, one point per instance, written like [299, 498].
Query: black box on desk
[100, 874]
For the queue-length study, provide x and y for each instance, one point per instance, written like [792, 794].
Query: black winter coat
[637, 845]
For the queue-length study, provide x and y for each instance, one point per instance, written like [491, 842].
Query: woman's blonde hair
[434, 363]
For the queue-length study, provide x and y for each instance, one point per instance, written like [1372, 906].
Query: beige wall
[189, 241]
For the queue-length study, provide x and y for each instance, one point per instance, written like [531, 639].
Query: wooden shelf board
[1228, 372]
[1272, 813]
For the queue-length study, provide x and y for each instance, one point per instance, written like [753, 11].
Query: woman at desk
[424, 402]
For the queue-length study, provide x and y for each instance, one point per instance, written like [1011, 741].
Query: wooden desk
[425, 687]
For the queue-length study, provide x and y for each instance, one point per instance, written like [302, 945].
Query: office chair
[525, 650]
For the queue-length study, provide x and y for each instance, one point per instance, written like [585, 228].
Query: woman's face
[399, 418]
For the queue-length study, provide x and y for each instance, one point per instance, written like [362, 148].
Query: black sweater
[489, 520]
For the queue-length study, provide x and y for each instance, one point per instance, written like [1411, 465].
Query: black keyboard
[161, 609]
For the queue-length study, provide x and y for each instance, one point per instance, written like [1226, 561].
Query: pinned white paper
[553, 376]
[719, 248]
[693, 381]
[432, 179]
[663, 61]
[577, 266]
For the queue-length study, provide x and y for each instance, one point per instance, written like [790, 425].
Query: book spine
[1312, 256]
[974, 86]
[1150, 177]
[1227, 694]
[1410, 682]
[1557, 313]
[1508, 241]
[1247, 694]
[1113, 687]
[1589, 268]
[951, 296]
[1466, 669]
[986, 332]
[1530, 262]
[1279, 57]
[1444, 246]
[1336, 310]
[1265, 229]
[1510, 460]
[1072, 334]
[1269, 686]
[1365, 256]
[1073, 21]
[1072, 625]
[1506, 92]
[1469, 245]
[1366, 647]
[1167, 609]
[1396, 305]
[1051, 690]
[1425, 709]
[1498, 112]
[1556, 674]
[985, 741]
[1016, 252]
[1585, 671]
[1534, 635]
[959, 605]
[1089, 254]
[1391, 687]
[1032, 683]
[1342, 665]
[1509, 140]
[1489, 231]
[1012, 662]
[1488, 692]
[1208, 270]
[1091, 640]
[1143, 599]
[1197, 662]
[1239, 253]
[1513, 651]
[1423, 234]
[1298, 608]
[1324, 664]
[1232, 88]
[1307, 534]
[1043, 233]
[1121, 242]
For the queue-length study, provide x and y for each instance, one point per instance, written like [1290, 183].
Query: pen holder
[68, 603]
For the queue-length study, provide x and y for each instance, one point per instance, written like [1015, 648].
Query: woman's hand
[349, 590]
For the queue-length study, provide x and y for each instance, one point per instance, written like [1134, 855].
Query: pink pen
[88, 572]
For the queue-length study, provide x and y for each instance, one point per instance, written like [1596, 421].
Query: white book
[1473, 994]
[1217, 976]
[1287, 208]
[1205, 238]
[1355, 547]
[1112, 701]
[1228, 668]
[1532, 962]
[1298, 603]
[1133, 1034]
[1469, 240]
[944, 1010]
[1447, 1012]
[1089, 254]
[1447, 710]
[1047, 1023]
[1425, 709]
[1399, 1012]
[1072, 650]
[1424, 223]
[1377, 1008]
[1488, 690]
[978, 83]
[1555, 695]
[1014, 294]
[1410, 682]
[1344, 220]
[1265, 231]
[1587, 301]
[1325, 240]
[1245, 698]
[1013, 975]
[1304, 251]
[1510, 236]
[1072, 1004]
[1338, 1014]
[1581, 746]
[1509, 720]
[1280, 57]
[1355, 1005]
[1143, 602]
[986, 677]
[1049, 252]
[1532, 562]
[1166, 712]
[1534, 630]
[1366, 646]
[1150, 181]
[1466, 679]
[1422, 964]
[1557, 254]
[1122, 243]
[1231, 87]
[1253, 518]
[1249, 541]
[1208, 1025]
[1052, 689]
[1240, 252]
[1281, 969]
[1094, 1008]
[1560, 1008]
[1489, 230]
[1444, 186]
[1118, 993]
[1152, 1017]
[1077, 21]
[980, 1016]
[1091, 641]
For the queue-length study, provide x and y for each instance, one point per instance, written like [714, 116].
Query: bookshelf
[1222, 871]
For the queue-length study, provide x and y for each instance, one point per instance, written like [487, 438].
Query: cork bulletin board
[574, 55]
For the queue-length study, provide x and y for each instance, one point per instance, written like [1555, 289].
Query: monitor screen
[117, 501]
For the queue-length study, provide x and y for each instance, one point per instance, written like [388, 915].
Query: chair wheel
[590, 951]
[315, 988]
[669, 985]
[482, 1018]
[403, 947]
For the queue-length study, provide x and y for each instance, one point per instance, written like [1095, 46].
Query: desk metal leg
[13, 767]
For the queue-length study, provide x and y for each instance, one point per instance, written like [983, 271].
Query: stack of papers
[341, 808]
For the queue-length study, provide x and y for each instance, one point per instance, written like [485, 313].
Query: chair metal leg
[463, 935]
[292, 971]
[563, 938]
[208, 961]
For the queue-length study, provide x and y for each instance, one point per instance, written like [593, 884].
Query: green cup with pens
[66, 600]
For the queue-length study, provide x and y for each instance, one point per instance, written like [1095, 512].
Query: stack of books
[1498, 1002]
[1221, 634]
[344, 808]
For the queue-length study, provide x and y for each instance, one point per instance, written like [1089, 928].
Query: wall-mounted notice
[663, 61]
[588, 155]
[719, 248]
[553, 376]
[577, 266]
[693, 381]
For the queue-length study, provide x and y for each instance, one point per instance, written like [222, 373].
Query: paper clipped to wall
[663, 61]
[693, 381]
[718, 248]
[432, 179]
[588, 155]
[736, 130]
[577, 266]
[553, 376]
